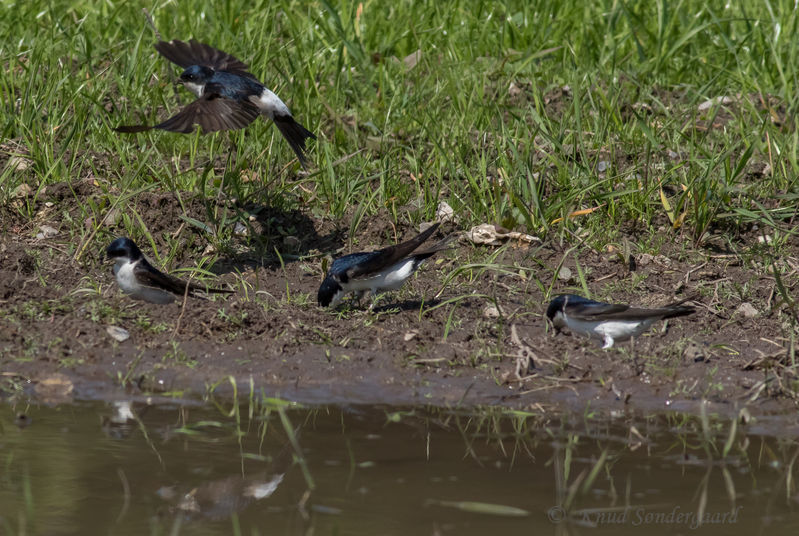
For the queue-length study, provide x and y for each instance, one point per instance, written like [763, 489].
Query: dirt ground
[489, 345]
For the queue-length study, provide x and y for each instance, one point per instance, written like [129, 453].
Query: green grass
[483, 121]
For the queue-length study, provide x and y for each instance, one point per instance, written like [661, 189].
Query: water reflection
[267, 467]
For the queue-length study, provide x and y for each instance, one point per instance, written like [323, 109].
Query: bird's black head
[123, 248]
[196, 74]
[329, 288]
[556, 305]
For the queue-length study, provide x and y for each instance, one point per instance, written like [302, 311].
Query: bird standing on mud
[605, 321]
[137, 277]
[376, 271]
[228, 96]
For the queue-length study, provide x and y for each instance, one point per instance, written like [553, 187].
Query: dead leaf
[412, 59]
[576, 213]
[445, 212]
[721, 100]
[494, 235]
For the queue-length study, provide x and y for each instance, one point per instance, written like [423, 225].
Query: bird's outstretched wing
[196, 53]
[212, 112]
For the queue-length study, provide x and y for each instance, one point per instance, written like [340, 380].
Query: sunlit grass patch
[510, 117]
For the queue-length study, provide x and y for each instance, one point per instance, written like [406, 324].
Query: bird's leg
[373, 300]
[359, 295]
[336, 299]
[608, 342]
[233, 156]
[639, 369]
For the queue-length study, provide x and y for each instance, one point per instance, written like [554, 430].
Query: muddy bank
[452, 336]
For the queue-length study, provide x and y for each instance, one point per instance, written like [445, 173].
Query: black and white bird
[228, 96]
[376, 271]
[137, 277]
[605, 321]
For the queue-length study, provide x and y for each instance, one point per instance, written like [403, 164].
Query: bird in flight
[229, 97]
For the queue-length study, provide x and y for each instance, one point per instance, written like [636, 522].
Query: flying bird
[229, 97]
[605, 321]
[376, 271]
[137, 277]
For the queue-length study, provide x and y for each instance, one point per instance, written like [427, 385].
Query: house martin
[605, 321]
[228, 96]
[137, 277]
[376, 271]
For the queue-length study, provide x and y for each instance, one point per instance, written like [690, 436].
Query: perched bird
[137, 277]
[228, 96]
[605, 321]
[376, 271]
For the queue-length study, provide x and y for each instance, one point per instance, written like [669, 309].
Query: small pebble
[45, 231]
[292, 242]
[491, 311]
[18, 163]
[117, 333]
[240, 229]
[747, 309]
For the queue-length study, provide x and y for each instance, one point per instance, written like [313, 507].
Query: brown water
[188, 469]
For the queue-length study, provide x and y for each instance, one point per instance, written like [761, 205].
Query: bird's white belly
[618, 330]
[391, 278]
[126, 279]
[270, 104]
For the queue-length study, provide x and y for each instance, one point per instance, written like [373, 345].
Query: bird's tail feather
[295, 134]
[441, 245]
[194, 288]
[679, 310]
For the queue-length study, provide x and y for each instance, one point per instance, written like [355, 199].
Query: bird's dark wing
[606, 311]
[212, 112]
[196, 53]
[154, 278]
[387, 256]
[593, 311]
